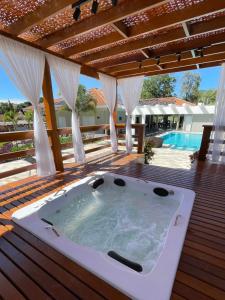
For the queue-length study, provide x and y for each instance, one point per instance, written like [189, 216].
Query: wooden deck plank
[23, 283]
[47, 266]
[201, 272]
[8, 291]
[49, 285]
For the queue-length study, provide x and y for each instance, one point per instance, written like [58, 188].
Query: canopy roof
[130, 38]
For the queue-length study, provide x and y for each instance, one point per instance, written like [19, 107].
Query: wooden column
[115, 112]
[140, 133]
[51, 118]
[205, 142]
[115, 108]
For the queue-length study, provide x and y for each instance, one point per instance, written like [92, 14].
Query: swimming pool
[183, 141]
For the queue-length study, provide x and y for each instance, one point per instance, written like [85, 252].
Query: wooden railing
[28, 135]
[207, 140]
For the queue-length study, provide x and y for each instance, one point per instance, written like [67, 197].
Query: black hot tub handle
[132, 265]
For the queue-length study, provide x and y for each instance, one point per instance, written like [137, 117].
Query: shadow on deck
[31, 269]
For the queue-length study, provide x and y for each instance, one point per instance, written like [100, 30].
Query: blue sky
[210, 78]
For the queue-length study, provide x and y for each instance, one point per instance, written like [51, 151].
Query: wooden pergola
[124, 38]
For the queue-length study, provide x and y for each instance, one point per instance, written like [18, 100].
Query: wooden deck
[30, 269]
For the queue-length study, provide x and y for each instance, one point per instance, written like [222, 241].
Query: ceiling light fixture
[94, 7]
[76, 14]
[114, 2]
[157, 58]
[178, 54]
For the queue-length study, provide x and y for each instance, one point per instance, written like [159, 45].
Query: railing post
[51, 118]
[205, 142]
[140, 136]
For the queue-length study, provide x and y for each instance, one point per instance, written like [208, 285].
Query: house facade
[174, 113]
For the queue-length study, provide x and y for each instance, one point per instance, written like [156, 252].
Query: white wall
[63, 118]
[187, 124]
[102, 115]
[199, 120]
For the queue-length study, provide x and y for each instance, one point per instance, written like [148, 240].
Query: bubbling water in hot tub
[125, 220]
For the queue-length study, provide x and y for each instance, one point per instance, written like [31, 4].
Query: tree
[190, 86]
[6, 106]
[158, 86]
[29, 117]
[207, 97]
[22, 105]
[85, 102]
[11, 116]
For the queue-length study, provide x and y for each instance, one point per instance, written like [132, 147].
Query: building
[99, 116]
[174, 113]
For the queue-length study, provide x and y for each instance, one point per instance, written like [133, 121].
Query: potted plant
[148, 152]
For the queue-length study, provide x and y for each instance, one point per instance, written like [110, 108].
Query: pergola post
[116, 104]
[51, 118]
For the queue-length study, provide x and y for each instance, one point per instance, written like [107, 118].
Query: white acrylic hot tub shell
[155, 285]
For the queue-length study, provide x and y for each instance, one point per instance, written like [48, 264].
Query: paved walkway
[172, 158]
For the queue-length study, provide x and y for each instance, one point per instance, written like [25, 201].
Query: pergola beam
[177, 17]
[38, 15]
[96, 43]
[121, 28]
[176, 65]
[215, 49]
[145, 63]
[86, 70]
[139, 44]
[109, 16]
[158, 72]
[168, 20]
[187, 33]
[180, 69]
[145, 42]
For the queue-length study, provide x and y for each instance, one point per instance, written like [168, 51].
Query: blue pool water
[182, 141]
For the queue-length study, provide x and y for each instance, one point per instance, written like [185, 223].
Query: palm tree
[11, 116]
[84, 103]
[29, 117]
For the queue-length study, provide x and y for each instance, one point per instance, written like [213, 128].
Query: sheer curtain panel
[25, 67]
[219, 122]
[109, 91]
[130, 91]
[67, 75]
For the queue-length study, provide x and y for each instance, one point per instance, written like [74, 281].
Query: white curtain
[25, 67]
[67, 76]
[130, 91]
[219, 121]
[109, 91]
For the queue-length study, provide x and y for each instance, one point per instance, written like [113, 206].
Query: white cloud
[15, 101]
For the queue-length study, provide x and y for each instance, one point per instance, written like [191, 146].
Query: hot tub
[129, 232]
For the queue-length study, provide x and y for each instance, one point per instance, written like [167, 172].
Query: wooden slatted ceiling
[156, 23]
[30, 269]
[133, 31]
